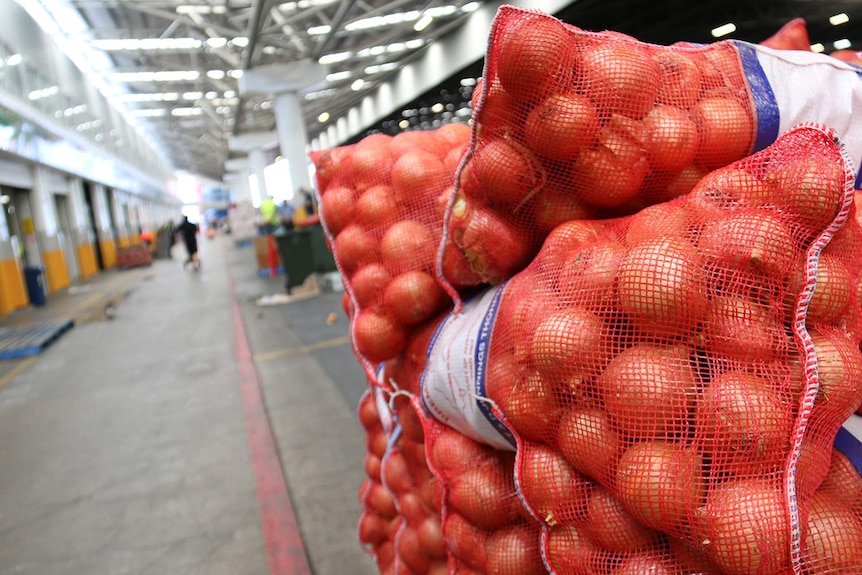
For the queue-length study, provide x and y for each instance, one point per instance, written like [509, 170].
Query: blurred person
[189, 230]
[269, 215]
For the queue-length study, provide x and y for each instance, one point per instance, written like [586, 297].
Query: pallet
[30, 339]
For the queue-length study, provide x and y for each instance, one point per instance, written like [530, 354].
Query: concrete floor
[123, 446]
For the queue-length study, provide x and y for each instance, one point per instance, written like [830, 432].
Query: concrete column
[105, 233]
[85, 237]
[45, 219]
[292, 137]
[284, 82]
[256, 164]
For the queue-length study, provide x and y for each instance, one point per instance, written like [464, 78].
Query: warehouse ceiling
[176, 62]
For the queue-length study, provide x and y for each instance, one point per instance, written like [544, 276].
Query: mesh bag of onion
[381, 204]
[673, 380]
[570, 124]
[379, 522]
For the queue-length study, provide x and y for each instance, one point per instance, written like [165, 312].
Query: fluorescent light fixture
[14, 60]
[818, 47]
[381, 21]
[437, 108]
[149, 113]
[240, 41]
[377, 68]
[216, 42]
[413, 44]
[75, 110]
[319, 30]
[192, 95]
[467, 82]
[211, 95]
[118, 44]
[216, 74]
[357, 84]
[423, 22]
[338, 76]
[723, 30]
[317, 95]
[323, 117]
[470, 7]
[396, 47]
[441, 11]
[230, 94]
[44, 93]
[201, 9]
[404, 124]
[335, 57]
[235, 74]
[163, 76]
[181, 112]
[841, 18]
[842, 44]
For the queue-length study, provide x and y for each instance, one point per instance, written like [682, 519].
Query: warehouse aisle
[124, 446]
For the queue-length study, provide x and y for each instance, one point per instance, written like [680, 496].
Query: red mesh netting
[381, 204]
[379, 522]
[485, 526]
[675, 379]
[419, 546]
[570, 125]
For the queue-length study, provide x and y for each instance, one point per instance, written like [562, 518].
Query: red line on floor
[284, 548]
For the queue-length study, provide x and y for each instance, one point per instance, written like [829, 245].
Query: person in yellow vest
[305, 209]
[270, 218]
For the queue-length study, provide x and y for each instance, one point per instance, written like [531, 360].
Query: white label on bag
[791, 87]
[453, 383]
[382, 405]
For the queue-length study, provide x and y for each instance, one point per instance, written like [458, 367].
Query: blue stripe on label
[768, 116]
[846, 443]
[483, 347]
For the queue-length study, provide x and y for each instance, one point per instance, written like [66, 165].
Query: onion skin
[660, 484]
[745, 524]
[589, 442]
[833, 538]
[662, 287]
[609, 525]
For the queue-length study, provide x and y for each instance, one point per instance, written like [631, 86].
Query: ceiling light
[195, 111]
[440, 11]
[287, 6]
[335, 57]
[323, 118]
[396, 47]
[43, 93]
[423, 22]
[818, 47]
[270, 50]
[266, 105]
[319, 30]
[842, 44]
[404, 124]
[839, 19]
[413, 44]
[230, 94]
[13, 60]
[377, 68]
[321, 94]
[467, 82]
[357, 84]
[338, 76]
[723, 30]
[199, 9]
[470, 7]
[216, 74]
[380, 21]
[240, 41]
[192, 95]
[437, 108]
[236, 74]
[163, 76]
[216, 42]
[211, 95]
